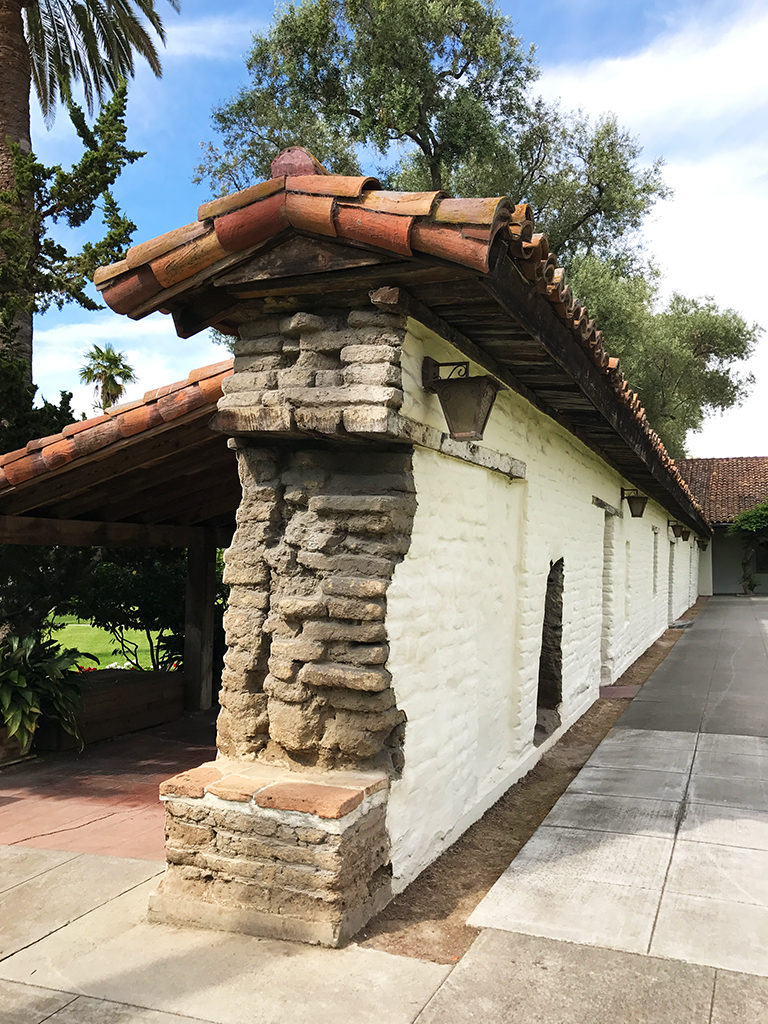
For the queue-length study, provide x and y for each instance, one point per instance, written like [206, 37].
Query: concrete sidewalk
[642, 898]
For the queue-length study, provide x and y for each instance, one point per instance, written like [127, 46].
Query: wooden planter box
[116, 702]
[10, 751]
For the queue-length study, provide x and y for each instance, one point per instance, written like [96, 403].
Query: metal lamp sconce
[635, 500]
[703, 544]
[677, 528]
[466, 401]
[686, 534]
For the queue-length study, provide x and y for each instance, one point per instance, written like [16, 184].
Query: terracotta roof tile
[330, 184]
[725, 487]
[235, 201]
[161, 405]
[458, 231]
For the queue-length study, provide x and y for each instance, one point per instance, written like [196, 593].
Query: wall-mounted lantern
[466, 401]
[635, 500]
[686, 534]
[677, 528]
[703, 544]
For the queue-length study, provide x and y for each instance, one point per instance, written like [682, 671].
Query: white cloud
[151, 347]
[699, 94]
[693, 76]
[214, 38]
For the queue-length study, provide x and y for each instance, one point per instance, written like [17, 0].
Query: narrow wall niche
[550, 690]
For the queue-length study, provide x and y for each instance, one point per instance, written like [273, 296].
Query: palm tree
[53, 45]
[108, 370]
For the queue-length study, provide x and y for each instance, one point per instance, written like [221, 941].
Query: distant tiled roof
[161, 405]
[355, 210]
[725, 487]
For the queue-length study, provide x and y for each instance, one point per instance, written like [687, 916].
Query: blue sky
[688, 79]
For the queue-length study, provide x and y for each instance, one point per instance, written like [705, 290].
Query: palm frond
[91, 42]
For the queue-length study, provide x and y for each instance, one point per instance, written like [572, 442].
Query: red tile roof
[355, 209]
[725, 487]
[201, 389]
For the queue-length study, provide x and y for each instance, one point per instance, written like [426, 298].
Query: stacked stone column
[285, 833]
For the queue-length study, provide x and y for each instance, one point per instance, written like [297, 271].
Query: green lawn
[87, 638]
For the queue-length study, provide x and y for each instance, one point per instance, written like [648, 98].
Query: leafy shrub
[36, 681]
[137, 590]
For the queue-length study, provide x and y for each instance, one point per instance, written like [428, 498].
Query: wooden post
[198, 627]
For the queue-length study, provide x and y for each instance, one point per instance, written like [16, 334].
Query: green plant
[751, 527]
[36, 681]
[137, 590]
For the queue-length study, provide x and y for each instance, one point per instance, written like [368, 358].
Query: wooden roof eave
[641, 465]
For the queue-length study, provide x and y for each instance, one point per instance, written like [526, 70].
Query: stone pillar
[284, 834]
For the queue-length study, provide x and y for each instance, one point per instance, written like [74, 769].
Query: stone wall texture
[238, 851]
[318, 537]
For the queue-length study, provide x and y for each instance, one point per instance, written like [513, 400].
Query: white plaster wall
[705, 571]
[465, 608]
[452, 625]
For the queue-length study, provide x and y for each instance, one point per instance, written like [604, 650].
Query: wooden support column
[198, 622]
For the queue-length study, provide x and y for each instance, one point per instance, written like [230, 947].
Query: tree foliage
[445, 94]
[38, 271]
[751, 527]
[109, 371]
[88, 42]
[682, 358]
[137, 590]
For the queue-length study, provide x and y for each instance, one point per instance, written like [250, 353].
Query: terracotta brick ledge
[325, 794]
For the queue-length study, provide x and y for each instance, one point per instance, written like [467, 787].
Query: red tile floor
[104, 800]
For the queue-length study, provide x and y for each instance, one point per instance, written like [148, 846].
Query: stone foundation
[274, 852]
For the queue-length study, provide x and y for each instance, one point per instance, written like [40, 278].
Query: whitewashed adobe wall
[465, 608]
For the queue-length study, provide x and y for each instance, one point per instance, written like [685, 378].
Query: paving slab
[748, 793]
[18, 864]
[594, 913]
[629, 815]
[739, 997]
[721, 872]
[113, 953]
[638, 755]
[83, 1010]
[736, 722]
[555, 855]
[46, 902]
[717, 743]
[719, 933]
[727, 826]
[506, 978]
[651, 715]
[646, 739]
[731, 766]
[654, 785]
[28, 1004]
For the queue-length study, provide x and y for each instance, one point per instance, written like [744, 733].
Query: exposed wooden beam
[524, 303]
[83, 533]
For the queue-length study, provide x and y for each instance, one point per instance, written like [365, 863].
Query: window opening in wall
[627, 581]
[655, 563]
[671, 583]
[550, 691]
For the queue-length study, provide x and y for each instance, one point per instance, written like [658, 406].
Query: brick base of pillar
[268, 851]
